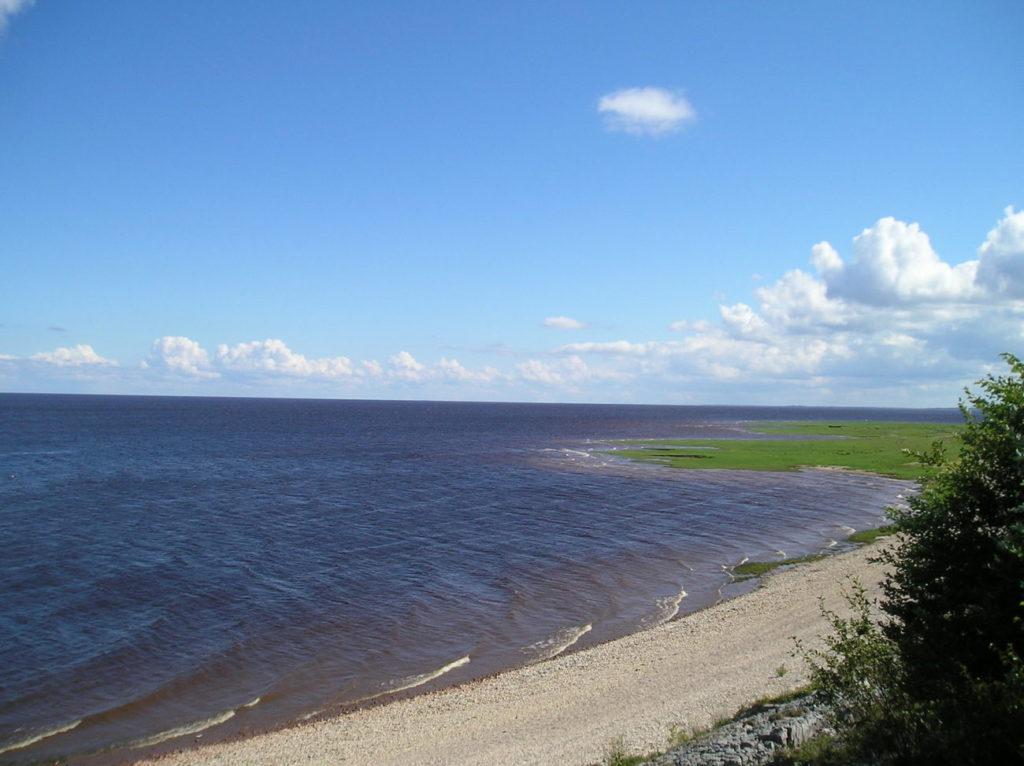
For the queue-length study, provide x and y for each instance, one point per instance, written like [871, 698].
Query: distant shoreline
[688, 672]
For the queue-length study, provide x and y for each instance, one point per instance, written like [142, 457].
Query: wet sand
[686, 673]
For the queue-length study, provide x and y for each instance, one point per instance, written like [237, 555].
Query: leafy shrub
[941, 680]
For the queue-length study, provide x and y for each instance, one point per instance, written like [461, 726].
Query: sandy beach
[686, 673]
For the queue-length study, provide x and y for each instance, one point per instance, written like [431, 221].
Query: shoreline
[688, 673]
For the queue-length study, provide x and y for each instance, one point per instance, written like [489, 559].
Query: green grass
[870, 535]
[759, 705]
[757, 568]
[749, 569]
[872, 446]
[617, 755]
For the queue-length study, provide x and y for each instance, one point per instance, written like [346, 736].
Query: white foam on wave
[554, 645]
[17, 745]
[180, 731]
[666, 608]
[729, 568]
[847, 530]
[411, 682]
[832, 543]
[252, 703]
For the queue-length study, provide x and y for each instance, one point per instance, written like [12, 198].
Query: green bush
[956, 591]
[941, 681]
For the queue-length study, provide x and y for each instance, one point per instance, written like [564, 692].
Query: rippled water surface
[177, 566]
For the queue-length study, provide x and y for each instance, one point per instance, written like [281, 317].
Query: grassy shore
[877, 447]
[749, 569]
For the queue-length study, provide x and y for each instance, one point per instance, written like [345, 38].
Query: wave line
[410, 682]
[559, 642]
[667, 607]
[179, 731]
[42, 735]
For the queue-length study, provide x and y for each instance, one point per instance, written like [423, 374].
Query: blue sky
[389, 200]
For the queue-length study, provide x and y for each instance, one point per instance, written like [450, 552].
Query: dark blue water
[174, 565]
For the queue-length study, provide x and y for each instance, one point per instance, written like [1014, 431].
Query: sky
[685, 203]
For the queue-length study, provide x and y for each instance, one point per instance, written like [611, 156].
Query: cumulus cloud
[273, 357]
[564, 372]
[405, 367]
[895, 315]
[569, 372]
[181, 355]
[10, 7]
[73, 356]
[893, 262]
[452, 369]
[371, 368]
[563, 323]
[1001, 257]
[645, 111]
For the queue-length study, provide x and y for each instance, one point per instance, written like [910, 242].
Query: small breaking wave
[180, 731]
[554, 645]
[252, 703]
[18, 744]
[411, 682]
[666, 608]
[731, 567]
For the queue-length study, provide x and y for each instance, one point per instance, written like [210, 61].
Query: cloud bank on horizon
[892, 322]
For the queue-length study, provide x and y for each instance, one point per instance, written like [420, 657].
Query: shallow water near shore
[177, 567]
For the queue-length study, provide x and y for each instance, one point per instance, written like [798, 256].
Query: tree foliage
[944, 671]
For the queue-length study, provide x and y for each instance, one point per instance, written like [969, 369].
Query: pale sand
[687, 673]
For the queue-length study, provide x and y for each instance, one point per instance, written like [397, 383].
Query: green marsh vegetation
[889, 449]
[750, 569]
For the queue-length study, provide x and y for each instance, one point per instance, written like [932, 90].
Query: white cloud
[619, 347]
[371, 368]
[896, 318]
[273, 357]
[689, 325]
[1001, 257]
[405, 367]
[645, 111]
[564, 323]
[181, 355]
[10, 7]
[893, 262]
[74, 356]
[452, 369]
[569, 372]
[743, 321]
[800, 300]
